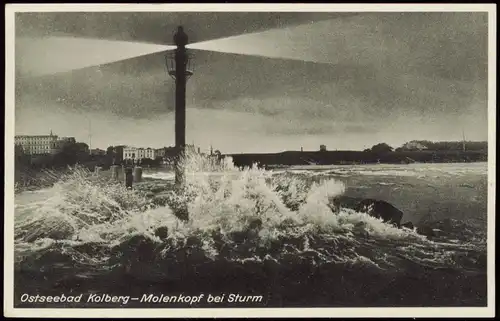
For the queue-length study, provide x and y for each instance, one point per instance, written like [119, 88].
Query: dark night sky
[263, 81]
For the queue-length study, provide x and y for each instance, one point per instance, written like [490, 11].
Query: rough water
[258, 233]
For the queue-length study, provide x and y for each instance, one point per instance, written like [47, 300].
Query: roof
[17, 136]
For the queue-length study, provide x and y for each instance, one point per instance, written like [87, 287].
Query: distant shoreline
[294, 158]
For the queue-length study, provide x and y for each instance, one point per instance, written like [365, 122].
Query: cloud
[159, 27]
[392, 74]
[448, 45]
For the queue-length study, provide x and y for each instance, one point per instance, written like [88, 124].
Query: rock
[429, 231]
[408, 225]
[425, 230]
[162, 232]
[255, 223]
[381, 209]
[250, 232]
[375, 208]
[137, 248]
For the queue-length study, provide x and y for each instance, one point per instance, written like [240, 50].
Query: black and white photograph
[250, 159]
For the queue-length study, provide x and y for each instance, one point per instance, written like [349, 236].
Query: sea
[268, 236]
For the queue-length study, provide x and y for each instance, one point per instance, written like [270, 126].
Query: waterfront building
[137, 154]
[41, 144]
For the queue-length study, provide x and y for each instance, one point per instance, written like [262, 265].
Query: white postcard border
[10, 311]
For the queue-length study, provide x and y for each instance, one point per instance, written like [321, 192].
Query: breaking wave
[250, 218]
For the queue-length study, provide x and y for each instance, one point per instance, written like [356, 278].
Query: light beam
[51, 55]
[304, 42]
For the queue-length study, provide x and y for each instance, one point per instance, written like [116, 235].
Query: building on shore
[138, 153]
[41, 144]
[167, 154]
